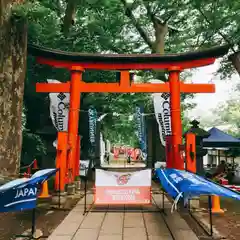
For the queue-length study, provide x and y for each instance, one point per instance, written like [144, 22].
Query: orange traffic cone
[44, 192]
[216, 208]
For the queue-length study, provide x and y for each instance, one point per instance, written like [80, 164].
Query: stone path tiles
[122, 225]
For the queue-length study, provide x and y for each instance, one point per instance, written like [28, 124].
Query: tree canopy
[120, 26]
[229, 113]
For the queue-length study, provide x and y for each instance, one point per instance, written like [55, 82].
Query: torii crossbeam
[77, 63]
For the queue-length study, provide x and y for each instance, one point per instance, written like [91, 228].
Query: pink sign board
[123, 195]
[123, 188]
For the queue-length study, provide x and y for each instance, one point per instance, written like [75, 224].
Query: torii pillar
[73, 118]
[176, 123]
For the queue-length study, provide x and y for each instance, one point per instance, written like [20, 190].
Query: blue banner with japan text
[21, 194]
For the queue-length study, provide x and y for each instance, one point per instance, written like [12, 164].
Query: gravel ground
[228, 224]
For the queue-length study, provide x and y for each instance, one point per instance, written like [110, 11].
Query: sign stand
[163, 199]
[85, 179]
[31, 236]
[59, 191]
[210, 217]
[210, 214]
[85, 194]
[123, 206]
[58, 208]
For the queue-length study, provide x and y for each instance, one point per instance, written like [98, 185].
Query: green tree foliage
[230, 114]
[32, 146]
[220, 21]
[227, 114]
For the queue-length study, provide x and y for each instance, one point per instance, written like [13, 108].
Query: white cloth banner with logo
[161, 102]
[102, 149]
[109, 178]
[84, 167]
[108, 146]
[59, 108]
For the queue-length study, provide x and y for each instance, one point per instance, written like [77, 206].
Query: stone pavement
[123, 225]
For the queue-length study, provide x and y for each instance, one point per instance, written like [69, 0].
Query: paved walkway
[124, 225]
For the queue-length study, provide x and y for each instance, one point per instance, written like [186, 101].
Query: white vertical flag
[59, 108]
[161, 102]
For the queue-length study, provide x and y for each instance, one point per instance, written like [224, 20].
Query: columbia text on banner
[59, 108]
[161, 102]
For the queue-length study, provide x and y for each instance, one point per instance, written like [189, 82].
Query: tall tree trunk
[13, 45]
[161, 29]
[70, 12]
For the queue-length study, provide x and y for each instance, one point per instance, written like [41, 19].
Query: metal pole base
[30, 237]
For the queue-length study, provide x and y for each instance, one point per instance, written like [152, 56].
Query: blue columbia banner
[141, 131]
[21, 194]
[182, 184]
[92, 119]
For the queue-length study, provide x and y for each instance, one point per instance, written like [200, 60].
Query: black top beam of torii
[60, 58]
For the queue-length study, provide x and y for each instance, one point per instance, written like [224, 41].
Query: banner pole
[33, 221]
[210, 214]
[163, 199]
[59, 189]
[189, 206]
[85, 191]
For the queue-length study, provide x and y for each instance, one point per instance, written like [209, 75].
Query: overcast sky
[208, 101]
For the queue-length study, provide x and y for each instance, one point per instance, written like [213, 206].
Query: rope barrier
[25, 167]
[119, 114]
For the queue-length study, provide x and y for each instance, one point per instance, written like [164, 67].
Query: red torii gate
[78, 62]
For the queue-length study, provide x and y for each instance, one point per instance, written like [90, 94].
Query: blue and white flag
[92, 119]
[43, 175]
[182, 184]
[141, 131]
[19, 198]
[21, 194]
[59, 108]
[161, 102]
